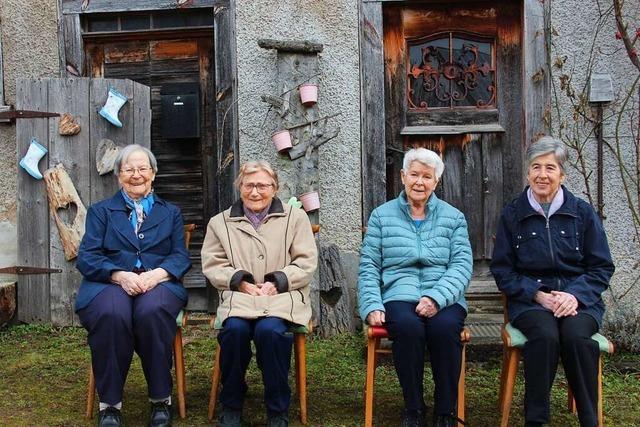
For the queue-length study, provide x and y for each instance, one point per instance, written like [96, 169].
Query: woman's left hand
[268, 288]
[151, 278]
[566, 304]
[426, 307]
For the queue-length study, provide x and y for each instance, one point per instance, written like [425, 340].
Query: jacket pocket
[567, 244]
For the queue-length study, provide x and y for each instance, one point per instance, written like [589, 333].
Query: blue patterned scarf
[139, 211]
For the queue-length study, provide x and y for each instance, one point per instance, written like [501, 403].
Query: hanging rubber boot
[30, 161]
[115, 101]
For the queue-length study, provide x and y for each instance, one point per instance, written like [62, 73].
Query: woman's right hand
[249, 288]
[130, 282]
[546, 300]
[375, 318]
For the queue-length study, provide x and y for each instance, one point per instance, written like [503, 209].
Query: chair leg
[461, 385]
[301, 374]
[372, 345]
[91, 394]
[600, 401]
[178, 357]
[215, 383]
[513, 358]
[571, 401]
[503, 375]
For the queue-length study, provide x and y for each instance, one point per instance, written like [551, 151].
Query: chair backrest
[188, 229]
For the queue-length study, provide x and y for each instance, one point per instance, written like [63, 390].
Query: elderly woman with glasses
[260, 254]
[415, 266]
[132, 258]
[551, 259]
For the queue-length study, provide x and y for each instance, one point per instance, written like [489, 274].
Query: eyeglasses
[131, 171]
[248, 187]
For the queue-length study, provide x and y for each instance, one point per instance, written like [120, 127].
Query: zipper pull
[547, 218]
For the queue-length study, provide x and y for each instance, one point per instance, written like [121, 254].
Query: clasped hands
[258, 289]
[136, 284]
[426, 308]
[561, 304]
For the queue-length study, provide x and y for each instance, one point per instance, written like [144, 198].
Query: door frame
[535, 101]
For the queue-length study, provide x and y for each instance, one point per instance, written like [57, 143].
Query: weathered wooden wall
[50, 298]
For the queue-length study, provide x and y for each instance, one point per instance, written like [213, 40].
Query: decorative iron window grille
[451, 70]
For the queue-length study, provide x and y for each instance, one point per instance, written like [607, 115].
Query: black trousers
[273, 354]
[549, 338]
[441, 334]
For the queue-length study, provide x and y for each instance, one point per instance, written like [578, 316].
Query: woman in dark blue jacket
[552, 261]
[132, 258]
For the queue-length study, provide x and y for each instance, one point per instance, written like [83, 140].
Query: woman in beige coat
[260, 254]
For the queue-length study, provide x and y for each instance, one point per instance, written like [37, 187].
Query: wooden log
[63, 196]
[7, 302]
[291, 46]
[336, 314]
[106, 154]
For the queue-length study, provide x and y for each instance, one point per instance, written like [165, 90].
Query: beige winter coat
[282, 250]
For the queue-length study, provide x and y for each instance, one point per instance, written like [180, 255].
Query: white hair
[424, 156]
[126, 151]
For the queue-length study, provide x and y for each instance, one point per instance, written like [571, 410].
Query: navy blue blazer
[110, 244]
[568, 253]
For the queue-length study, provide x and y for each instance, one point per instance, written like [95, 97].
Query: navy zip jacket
[567, 252]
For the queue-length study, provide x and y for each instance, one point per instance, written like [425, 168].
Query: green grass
[43, 373]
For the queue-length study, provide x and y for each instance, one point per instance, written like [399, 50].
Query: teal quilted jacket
[400, 262]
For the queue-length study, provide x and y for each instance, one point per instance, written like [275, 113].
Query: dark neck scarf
[256, 218]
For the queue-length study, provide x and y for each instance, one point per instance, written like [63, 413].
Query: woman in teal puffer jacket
[415, 266]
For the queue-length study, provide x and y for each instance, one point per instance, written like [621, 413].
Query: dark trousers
[441, 334]
[118, 324]
[549, 338]
[273, 353]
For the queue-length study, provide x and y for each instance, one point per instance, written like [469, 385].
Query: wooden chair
[513, 342]
[300, 352]
[374, 336]
[178, 356]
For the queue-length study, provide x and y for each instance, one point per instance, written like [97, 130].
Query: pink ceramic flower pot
[308, 94]
[310, 201]
[282, 140]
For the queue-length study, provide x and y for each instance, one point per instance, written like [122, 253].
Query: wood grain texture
[102, 6]
[372, 111]
[33, 207]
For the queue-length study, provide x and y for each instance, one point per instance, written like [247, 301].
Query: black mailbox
[180, 110]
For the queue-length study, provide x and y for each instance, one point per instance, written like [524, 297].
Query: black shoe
[160, 415]
[413, 419]
[110, 417]
[447, 421]
[278, 420]
[230, 418]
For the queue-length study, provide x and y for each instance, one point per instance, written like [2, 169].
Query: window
[145, 21]
[451, 70]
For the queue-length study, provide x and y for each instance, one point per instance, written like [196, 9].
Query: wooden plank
[141, 109]
[70, 46]
[33, 207]
[133, 51]
[103, 6]
[472, 191]
[493, 202]
[372, 111]
[449, 116]
[208, 140]
[227, 155]
[536, 99]
[72, 96]
[451, 130]
[452, 177]
[105, 186]
[173, 49]
[480, 17]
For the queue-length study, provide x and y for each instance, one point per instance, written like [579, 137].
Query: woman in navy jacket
[552, 261]
[132, 258]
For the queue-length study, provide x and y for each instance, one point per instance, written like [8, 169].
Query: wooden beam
[292, 46]
[103, 6]
[372, 112]
[226, 121]
[450, 130]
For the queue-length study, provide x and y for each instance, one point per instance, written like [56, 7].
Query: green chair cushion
[179, 318]
[518, 339]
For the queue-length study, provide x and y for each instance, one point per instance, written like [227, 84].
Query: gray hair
[125, 152]
[547, 145]
[424, 156]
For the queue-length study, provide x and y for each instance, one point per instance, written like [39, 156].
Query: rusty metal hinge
[12, 115]
[24, 269]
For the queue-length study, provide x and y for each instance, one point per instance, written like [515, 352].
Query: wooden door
[453, 85]
[186, 166]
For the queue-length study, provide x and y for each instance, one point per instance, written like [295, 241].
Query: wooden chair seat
[513, 342]
[300, 353]
[374, 335]
[178, 355]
